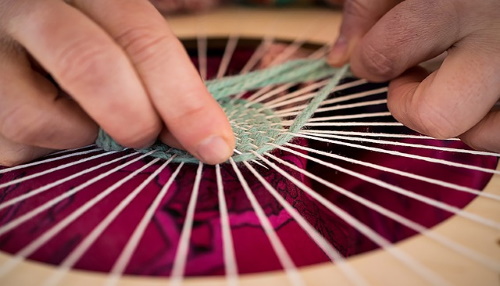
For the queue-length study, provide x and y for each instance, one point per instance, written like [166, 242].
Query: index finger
[190, 113]
[90, 66]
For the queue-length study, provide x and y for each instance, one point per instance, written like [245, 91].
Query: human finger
[13, 153]
[486, 134]
[358, 17]
[415, 31]
[33, 113]
[451, 100]
[189, 112]
[89, 65]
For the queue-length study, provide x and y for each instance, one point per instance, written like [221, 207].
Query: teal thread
[252, 122]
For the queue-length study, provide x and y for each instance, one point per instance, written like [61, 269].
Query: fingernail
[214, 150]
[337, 53]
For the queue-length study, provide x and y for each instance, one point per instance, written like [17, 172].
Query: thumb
[358, 18]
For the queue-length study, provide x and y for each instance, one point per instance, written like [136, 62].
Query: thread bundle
[252, 122]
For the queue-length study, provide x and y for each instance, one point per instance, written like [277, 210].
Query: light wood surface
[378, 267]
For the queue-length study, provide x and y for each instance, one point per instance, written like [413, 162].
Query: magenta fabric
[157, 249]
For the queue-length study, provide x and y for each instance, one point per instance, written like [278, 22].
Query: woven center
[253, 124]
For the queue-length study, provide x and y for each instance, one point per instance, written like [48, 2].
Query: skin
[123, 69]
[113, 64]
[385, 39]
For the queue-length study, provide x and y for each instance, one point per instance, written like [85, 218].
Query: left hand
[385, 39]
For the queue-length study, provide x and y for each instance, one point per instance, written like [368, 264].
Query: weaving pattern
[253, 123]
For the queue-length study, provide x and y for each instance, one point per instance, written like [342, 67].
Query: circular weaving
[350, 181]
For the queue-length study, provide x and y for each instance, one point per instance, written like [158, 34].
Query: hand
[123, 69]
[385, 39]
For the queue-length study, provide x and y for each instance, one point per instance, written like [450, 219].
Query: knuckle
[9, 158]
[144, 44]
[433, 121]
[356, 8]
[86, 61]
[139, 135]
[377, 63]
[23, 124]
[189, 112]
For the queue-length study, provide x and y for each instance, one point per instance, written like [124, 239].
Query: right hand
[123, 69]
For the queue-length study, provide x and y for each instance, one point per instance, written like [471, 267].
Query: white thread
[402, 191]
[58, 182]
[401, 154]
[202, 55]
[351, 116]
[226, 58]
[33, 246]
[177, 274]
[60, 156]
[29, 215]
[51, 170]
[322, 243]
[395, 143]
[280, 250]
[89, 239]
[402, 173]
[231, 267]
[125, 256]
[420, 269]
[467, 252]
[336, 107]
[374, 134]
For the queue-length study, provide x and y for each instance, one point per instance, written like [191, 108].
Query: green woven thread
[253, 123]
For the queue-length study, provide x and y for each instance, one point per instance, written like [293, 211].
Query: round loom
[376, 267]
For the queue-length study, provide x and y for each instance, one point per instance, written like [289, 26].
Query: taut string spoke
[129, 249]
[280, 250]
[414, 265]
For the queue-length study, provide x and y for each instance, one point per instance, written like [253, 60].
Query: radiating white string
[401, 154]
[51, 170]
[261, 96]
[337, 99]
[257, 55]
[322, 243]
[335, 107]
[278, 247]
[402, 173]
[340, 87]
[332, 124]
[65, 151]
[49, 186]
[29, 215]
[201, 41]
[355, 96]
[96, 232]
[432, 202]
[296, 99]
[48, 160]
[177, 275]
[228, 53]
[376, 134]
[352, 105]
[465, 251]
[40, 241]
[263, 92]
[231, 267]
[396, 143]
[350, 116]
[129, 249]
[414, 265]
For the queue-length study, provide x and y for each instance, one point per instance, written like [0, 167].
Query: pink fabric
[156, 251]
